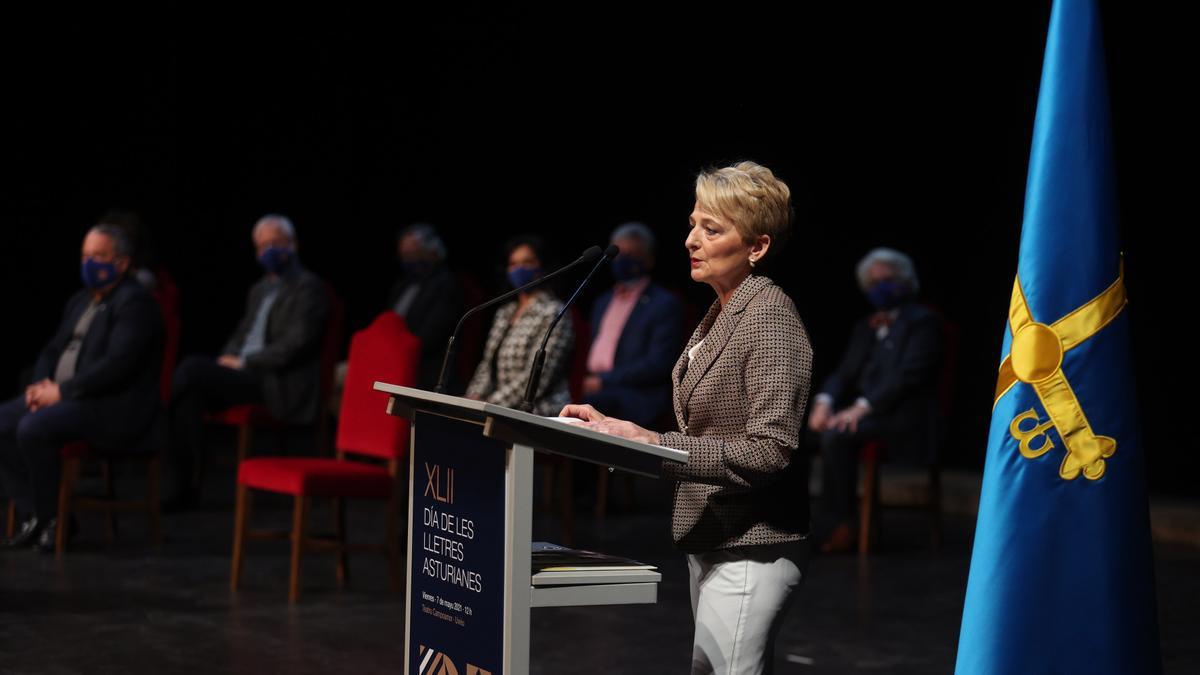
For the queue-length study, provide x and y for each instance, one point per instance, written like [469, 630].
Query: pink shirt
[604, 347]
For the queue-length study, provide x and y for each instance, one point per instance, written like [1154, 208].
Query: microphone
[588, 256]
[539, 359]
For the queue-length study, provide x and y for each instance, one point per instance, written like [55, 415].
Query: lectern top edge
[483, 409]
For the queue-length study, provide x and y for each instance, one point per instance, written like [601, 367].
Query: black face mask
[627, 268]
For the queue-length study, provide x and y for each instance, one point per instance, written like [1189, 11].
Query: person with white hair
[273, 356]
[885, 388]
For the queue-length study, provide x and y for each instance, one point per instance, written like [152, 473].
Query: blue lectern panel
[456, 608]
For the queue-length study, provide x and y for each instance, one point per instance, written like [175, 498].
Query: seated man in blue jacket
[97, 380]
[885, 388]
[635, 335]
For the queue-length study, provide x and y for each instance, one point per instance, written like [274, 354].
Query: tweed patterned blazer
[513, 348]
[739, 404]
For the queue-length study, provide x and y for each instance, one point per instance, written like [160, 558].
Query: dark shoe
[27, 533]
[840, 540]
[45, 543]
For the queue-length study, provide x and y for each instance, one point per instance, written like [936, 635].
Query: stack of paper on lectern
[549, 557]
[554, 565]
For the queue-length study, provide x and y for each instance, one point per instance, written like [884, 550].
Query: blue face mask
[886, 294]
[627, 268]
[97, 274]
[520, 276]
[276, 259]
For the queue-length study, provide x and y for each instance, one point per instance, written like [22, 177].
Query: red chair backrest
[167, 294]
[948, 371]
[331, 343]
[384, 351]
[579, 355]
[474, 331]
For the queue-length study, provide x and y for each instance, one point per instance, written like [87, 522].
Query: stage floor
[127, 608]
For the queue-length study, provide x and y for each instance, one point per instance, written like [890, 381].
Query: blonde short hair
[751, 198]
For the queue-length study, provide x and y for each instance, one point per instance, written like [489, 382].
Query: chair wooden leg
[11, 527]
[243, 441]
[299, 523]
[152, 500]
[867, 510]
[601, 491]
[66, 487]
[240, 517]
[110, 493]
[339, 533]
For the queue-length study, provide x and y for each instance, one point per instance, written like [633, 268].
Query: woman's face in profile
[523, 256]
[719, 256]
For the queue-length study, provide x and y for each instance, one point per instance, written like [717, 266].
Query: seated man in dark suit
[273, 357]
[885, 388]
[97, 380]
[636, 330]
[428, 296]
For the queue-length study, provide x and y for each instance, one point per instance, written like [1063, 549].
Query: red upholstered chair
[471, 341]
[873, 453]
[147, 450]
[246, 418]
[167, 295]
[579, 353]
[384, 351]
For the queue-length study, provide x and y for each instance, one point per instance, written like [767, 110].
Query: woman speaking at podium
[741, 385]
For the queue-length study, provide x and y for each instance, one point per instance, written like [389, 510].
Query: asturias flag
[1061, 574]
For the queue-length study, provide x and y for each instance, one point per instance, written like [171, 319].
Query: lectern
[469, 586]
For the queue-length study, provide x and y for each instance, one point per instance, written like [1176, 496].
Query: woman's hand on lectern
[582, 411]
[593, 419]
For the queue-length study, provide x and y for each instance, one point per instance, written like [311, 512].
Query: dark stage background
[894, 125]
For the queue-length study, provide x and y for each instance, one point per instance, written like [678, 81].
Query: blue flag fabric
[1061, 577]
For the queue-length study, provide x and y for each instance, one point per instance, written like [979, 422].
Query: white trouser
[739, 599]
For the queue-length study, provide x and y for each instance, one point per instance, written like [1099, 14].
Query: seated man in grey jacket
[273, 357]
